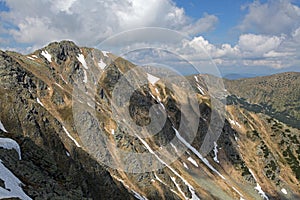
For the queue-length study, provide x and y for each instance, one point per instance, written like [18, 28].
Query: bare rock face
[59, 105]
[50, 166]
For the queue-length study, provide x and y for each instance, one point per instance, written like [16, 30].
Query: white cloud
[35, 30]
[204, 24]
[250, 50]
[274, 26]
[296, 35]
[273, 17]
[277, 40]
[275, 54]
[62, 6]
[258, 45]
[200, 44]
[89, 22]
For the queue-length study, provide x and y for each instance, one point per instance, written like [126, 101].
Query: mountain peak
[60, 50]
[62, 44]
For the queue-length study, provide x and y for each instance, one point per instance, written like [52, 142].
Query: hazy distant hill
[235, 76]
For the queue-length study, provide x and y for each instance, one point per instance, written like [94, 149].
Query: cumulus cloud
[200, 44]
[296, 35]
[248, 46]
[258, 45]
[250, 50]
[276, 42]
[270, 31]
[273, 17]
[270, 37]
[207, 23]
[38, 22]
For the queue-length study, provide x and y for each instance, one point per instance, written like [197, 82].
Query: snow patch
[204, 160]
[39, 102]
[156, 98]
[70, 136]
[241, 195]
[90, 105]
[162, 105]
[157, 178]
[157, 92]
[85, 79]
[30, 58]
[200, 89]
[185, 165]
[34, 56]
[235, 137]
[178, 187]
[67, 153]
[261, 192]
[120, 180]
[105, 53]
[152, 79]
[47, 55]
[2, 127]
[191, 189]
[7, 143]
[152, 95]
[101, 64]
[138, 196]
[196, 78]
[12, 184]
[112, 131]
[63, 79]
[283, 191]
[174, 147]
[258, 187]
[234, 123]
[216, 153]
[81, 59]
[193, 161]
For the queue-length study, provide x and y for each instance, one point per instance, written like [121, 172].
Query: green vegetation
[257, 108]
[292, 161]
[245, 169]
[265, 149]
[255, 133]
[276, 95]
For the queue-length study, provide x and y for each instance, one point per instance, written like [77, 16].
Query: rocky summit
[80, 123]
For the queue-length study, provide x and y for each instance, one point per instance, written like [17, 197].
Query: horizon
[186, 71]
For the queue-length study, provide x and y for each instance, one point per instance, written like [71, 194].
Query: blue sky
[229, 13]
[251, 36]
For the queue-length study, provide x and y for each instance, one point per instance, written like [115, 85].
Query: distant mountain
[234, 76]
[61, 116]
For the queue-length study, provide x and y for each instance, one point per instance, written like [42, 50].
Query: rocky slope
[60, 104]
